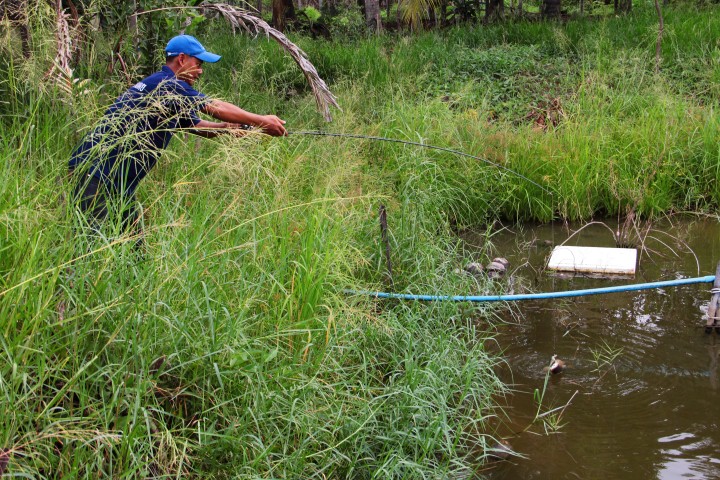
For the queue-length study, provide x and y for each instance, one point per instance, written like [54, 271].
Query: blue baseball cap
[189, 46]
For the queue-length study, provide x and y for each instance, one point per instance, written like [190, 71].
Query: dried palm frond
[245, 20]
[61, 72]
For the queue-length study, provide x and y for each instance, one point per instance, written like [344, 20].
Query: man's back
[127, 142]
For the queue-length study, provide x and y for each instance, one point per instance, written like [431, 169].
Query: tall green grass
[481, 90]
[228, 349]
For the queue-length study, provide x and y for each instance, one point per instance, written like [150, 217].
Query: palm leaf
[61, 72]
[413, 11]
[241, 19]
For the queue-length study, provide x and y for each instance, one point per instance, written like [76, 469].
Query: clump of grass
[605, 357]
[551, 418]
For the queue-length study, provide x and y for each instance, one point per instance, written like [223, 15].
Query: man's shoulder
[164, 82]
[151, 82]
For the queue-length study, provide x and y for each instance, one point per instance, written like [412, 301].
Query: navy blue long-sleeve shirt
[129, 138]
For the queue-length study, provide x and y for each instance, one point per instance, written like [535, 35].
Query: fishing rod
[417, 144]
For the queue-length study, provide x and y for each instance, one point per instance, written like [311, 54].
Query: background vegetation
[228, 349]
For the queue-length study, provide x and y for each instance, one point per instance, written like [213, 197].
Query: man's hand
[273, 125]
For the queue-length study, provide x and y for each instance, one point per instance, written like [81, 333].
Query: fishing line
[424, 145]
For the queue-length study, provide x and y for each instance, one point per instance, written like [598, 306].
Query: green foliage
[508, 79]
[311, 13]
[145, 45]
[347, 24]
[465, 10]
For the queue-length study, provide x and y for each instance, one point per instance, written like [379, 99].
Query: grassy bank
[228, 350]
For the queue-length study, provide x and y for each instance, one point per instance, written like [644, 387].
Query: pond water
[642, 377]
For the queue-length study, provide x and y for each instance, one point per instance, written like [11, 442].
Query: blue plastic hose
[535, 296]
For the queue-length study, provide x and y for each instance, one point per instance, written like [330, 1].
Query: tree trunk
[551, 8]
[259, 7]
[398, 13]
[495, 9]
[520, 8]
[372, 15]
[282, 11]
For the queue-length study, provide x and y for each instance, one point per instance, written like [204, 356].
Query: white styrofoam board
[593, 260]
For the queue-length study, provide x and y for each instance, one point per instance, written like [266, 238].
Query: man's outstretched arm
[227, 112]
[212, 129]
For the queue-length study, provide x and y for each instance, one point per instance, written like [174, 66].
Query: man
[127, 142]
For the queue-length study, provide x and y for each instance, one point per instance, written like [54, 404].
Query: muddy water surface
[646, 375]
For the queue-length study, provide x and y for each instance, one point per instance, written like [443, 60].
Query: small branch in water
[562, 408]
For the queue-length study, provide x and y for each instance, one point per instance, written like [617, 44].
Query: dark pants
[98, 201]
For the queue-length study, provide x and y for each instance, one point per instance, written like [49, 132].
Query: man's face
[190, 68]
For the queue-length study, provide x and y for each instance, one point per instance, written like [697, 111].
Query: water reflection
[713, 351]
[651, 411]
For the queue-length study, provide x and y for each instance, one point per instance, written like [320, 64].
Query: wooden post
[712, 319]
[386, 242]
